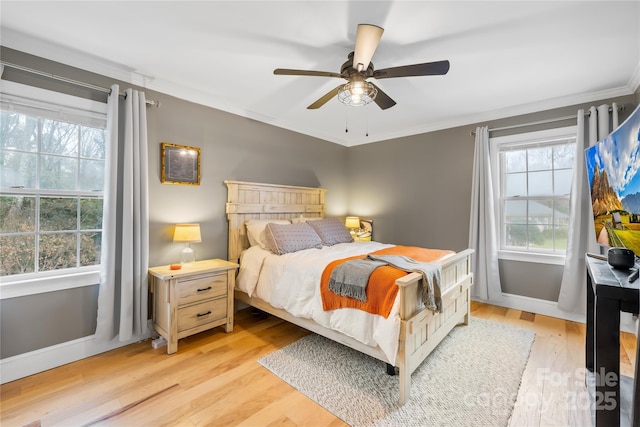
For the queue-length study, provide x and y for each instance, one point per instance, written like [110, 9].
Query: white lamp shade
[187, 233]
[352, 222]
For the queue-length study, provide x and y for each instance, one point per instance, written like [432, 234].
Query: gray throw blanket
[350, 278]
[431, 276]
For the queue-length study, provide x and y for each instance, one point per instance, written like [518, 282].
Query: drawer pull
[204, 289]
[203, 314]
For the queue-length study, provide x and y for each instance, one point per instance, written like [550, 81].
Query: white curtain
[482, 226]
[122, 299]
[581, 237]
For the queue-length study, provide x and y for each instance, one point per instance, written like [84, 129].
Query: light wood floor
[214, 380]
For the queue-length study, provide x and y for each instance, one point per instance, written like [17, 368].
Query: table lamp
[353, 224]
[187, 233]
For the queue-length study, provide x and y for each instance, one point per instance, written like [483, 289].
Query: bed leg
[467, 315]
[391, 370]
[405, 385]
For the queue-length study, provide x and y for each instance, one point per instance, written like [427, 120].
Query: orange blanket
[382, 288]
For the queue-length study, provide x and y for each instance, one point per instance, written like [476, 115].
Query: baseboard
[550, 308]
[23, 365]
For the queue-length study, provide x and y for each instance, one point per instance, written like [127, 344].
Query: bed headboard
[252, 200]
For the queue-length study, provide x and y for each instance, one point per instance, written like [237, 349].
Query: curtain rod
[154, 103]
[541, 122]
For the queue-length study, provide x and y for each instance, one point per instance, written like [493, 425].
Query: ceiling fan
[358, 68]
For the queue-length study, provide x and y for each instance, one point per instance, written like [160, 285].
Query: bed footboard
[422, 330]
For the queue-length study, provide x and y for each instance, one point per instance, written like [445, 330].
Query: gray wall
[416, 189]
[232, 148]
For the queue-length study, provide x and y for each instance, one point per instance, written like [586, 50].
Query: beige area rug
[471, 379]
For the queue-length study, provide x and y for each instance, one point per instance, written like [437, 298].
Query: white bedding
[291, 282]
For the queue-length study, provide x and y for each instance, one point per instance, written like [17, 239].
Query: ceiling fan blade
[383, 100]
[288, 72]
[325, 98]
[367, 39]
[427, 69]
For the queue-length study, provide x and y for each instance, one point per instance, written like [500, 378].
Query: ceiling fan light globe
[357, 93]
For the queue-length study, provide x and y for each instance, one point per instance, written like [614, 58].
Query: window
[52, 149]
[532, 184]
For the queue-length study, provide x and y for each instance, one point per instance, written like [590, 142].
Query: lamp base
[187, 255]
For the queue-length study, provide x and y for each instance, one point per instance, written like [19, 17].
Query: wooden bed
[421, 329]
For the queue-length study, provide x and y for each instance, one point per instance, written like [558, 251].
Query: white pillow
[255, 230]
[301, 218]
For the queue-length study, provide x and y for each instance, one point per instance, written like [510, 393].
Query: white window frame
[57, 106]
[523, 139]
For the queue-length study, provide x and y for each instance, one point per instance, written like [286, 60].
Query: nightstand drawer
[195, 290]
[201, 314]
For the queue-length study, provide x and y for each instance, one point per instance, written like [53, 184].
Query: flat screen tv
[613, 168]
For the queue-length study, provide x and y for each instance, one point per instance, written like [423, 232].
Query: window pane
[515, 211]
[17, 214]
[57, 251]
[59, 138]
[90, 245]
[541, 236]
[562, 181]
[515, 161]
[540, 212]
[17, 254]
[562, 211]
[91, 175]
[539, 158]
[90, 214]
[561, 233]
[92, 142]
[516, 235]
[515, 185]
[58, 213]
[540, 183]
[18, 132]
[564, 156]
[58, 173]
[17, 169]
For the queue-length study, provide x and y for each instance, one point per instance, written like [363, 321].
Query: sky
[619, 155]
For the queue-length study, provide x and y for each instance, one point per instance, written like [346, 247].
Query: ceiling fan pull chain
[346, 119]
[366, 120]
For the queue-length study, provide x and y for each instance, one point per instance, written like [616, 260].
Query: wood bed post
[468, 293]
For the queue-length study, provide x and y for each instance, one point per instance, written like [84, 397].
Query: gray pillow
[331, 231]
[283, 239]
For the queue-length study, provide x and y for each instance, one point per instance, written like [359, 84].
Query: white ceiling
[507, 58]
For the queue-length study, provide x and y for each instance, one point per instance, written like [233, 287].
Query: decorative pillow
[332, 231]
[255, 230]
[283, 239]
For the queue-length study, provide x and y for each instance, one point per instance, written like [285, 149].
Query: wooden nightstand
[193, 299]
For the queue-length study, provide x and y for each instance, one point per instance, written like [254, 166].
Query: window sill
[532, 257]
[11, 287]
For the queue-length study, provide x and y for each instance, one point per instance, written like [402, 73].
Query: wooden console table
[608, 293]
